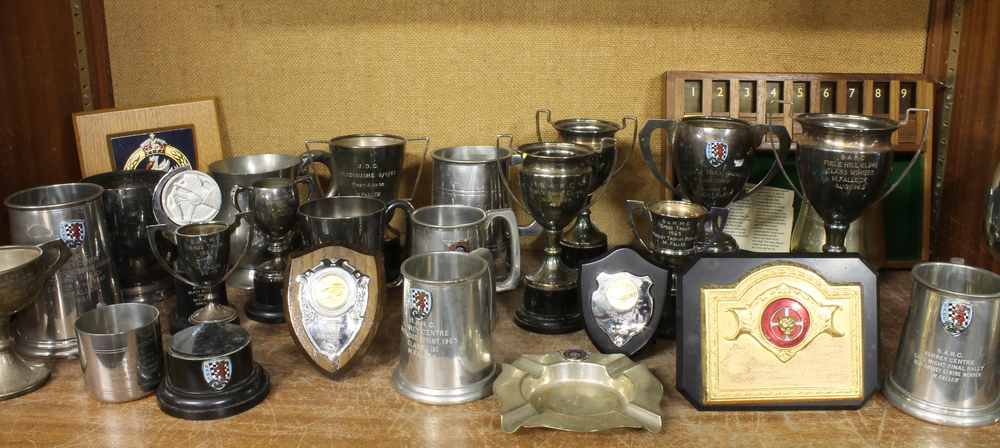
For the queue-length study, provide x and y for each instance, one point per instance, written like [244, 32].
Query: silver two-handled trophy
[584, 240]
[203, 254]
[23, 272]
[674, 230]
[274, 202]
[555, 181]
[712, 158]
[843, 163]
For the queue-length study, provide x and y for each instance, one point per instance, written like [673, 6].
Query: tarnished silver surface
[463, 228]
[445, 352]
[711, 158]
[675, 227]
[368, 165]
[622, 305]
[947, 367]
[244, 170]
[72, 213]
[470, 175]
[575, 390]
[23, 272]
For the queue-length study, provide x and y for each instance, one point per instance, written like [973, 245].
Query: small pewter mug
[121, 351]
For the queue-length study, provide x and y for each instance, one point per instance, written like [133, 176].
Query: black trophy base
[392, 252]
[267, 304]
[574, 256]
[549, 311]
[667, 327]
[188, 406]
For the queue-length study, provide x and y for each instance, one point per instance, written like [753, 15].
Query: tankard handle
[916, 155]
[407, 209]
[652, 124]
[62, 254]
[513, 277]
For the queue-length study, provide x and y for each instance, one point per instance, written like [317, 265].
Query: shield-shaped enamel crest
[955, 317]
[217, 372]
[72, 233]
[419, 303]
[333, 304]
[716, 153]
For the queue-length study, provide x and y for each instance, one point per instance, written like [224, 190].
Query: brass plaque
[333, 305]
[782, 333]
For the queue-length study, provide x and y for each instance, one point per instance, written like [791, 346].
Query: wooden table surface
[306, 408]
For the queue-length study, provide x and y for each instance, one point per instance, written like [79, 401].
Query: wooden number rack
[749, 96]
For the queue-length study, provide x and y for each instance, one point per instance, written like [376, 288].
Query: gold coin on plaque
[622, 294]
[331, 292]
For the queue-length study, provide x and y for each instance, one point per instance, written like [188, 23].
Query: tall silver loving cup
[244, 170]
[947, 367]
[711, 158]
[71, 212]
[470, 175]
[461, 228]
[445, 354]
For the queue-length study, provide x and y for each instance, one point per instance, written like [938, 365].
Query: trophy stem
[17, 376]
[836, 234]
[214, 311]
[582, 241]
[551, 305]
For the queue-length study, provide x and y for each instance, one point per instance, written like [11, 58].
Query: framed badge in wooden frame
[160, 136]
[777, 332]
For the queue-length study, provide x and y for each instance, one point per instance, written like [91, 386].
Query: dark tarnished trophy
[203, 254]
[23, 272]
[370, 165]
[843, 164]
[555, 181]
[584, 240]
[274, 202]
[711, 158]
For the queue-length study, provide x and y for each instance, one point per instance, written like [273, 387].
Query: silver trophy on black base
[555, 181]
[584, 240]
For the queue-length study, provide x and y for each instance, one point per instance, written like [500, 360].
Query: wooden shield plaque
[333, 304]
[777, 332]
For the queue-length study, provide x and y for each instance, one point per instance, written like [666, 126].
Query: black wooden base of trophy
[667, 328]
[189, 300]
[392, 253]
[573, 256]
[549, 311]
[211, 406]
[267, 304]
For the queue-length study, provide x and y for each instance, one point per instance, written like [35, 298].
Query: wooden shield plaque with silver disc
[333, 304]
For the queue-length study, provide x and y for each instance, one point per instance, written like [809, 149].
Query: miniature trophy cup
[23, 272]
[203, 253]
[843, 164]
[584, 240]
[712, 158]
[274, 202]
[555, 180]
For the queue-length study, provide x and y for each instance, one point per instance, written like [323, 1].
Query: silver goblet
[711, 158]
[583, 240]
[555, 181]
[843, 164]
[274, 203]
[203, 254]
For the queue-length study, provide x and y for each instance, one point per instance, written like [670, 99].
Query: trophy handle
[420, 170]
[63, 254]
[785, 144]
[234, 196]
[538, 122]
[323, 157]
[652, 124]
[515, 159]
[916, 155]
[607, 183]
[635, 134]
[778, 156]
[248, 217]
[722, 215]
[151, 232]
[515, 247]
[308, 180]
[631, 206]
[407, 209]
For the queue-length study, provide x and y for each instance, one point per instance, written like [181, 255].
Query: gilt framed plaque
[622, 295]
[777, 332]
[333, 304]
